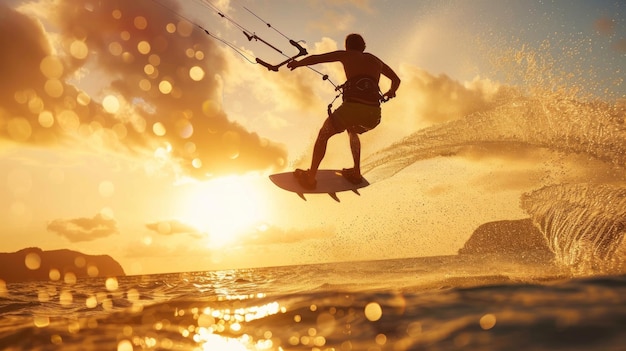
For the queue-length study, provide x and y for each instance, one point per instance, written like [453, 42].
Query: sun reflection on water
[222, 329]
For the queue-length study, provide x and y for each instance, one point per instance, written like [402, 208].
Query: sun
[224, 208]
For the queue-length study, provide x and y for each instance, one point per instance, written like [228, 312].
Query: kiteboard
[329, 181]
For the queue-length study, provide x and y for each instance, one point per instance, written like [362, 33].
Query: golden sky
[127, 130]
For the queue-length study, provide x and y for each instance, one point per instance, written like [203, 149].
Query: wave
[583, 223]
[596, 129]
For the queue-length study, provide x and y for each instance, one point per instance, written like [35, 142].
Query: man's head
[355, 42]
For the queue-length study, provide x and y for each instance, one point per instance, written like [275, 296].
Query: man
[360, 110]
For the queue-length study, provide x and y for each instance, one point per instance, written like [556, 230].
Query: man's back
[357, 63]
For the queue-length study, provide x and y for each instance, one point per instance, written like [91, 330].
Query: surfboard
[329, 181]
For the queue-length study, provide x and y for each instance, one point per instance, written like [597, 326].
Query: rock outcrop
[35, 264]
[506, 237]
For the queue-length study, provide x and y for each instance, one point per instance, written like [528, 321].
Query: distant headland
[33, 263]
[513, 237]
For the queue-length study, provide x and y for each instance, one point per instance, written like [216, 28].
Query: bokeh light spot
[79, 49]
[46, 119]
[148, 69]
[54, 274]
[32, 261]
[115, 48]
[170, 28]
[125, 345]
[66, 298]
[373, 311]
[70, 278]
[35, 104]
[112, 284]
[51, 67]
[111, 104]
[140, 22]
[54, 88]
[145, 85]
[487, 321]
[80, 262]
[91, 302]
[196, 73]
[127, 57]
[184, 128]
[68, 120]
[196, 163]
[19, 129]
[154, 60]
[143, 47]
[165, 87]
[83, 98]
[117, 14]
[184, 28]
[159, 129]
[93, 271]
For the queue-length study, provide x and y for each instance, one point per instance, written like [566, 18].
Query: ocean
[460, 302]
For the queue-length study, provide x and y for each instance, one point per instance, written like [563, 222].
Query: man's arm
[315, 59]
[395, 81]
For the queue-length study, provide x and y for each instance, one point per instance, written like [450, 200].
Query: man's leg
[355, 146]
[319, 150]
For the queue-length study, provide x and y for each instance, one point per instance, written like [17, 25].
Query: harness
[363, 89]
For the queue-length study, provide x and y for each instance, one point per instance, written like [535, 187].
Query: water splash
[561, 125]
[584, 223]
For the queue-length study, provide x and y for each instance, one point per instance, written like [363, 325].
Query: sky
[126, 130]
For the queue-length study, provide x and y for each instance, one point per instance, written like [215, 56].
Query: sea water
[469, 302]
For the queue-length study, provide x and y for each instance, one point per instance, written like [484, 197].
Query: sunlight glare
[224, 208]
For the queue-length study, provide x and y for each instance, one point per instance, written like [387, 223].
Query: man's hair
[355, 42]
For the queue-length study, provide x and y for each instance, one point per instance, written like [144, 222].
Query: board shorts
[355, 117]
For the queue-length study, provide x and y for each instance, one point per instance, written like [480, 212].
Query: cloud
[84, 229]
[437, 99]
[338, 16]
[156, 82]
[173, 227]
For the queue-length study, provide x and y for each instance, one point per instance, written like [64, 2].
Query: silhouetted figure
[360, 110]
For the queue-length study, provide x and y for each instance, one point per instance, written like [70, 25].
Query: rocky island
[33, 263]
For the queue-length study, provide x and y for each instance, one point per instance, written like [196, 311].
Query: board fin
[356, 191]
[334, 196]
[301, 196]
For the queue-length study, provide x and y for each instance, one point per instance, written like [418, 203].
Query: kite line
[250, 35]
